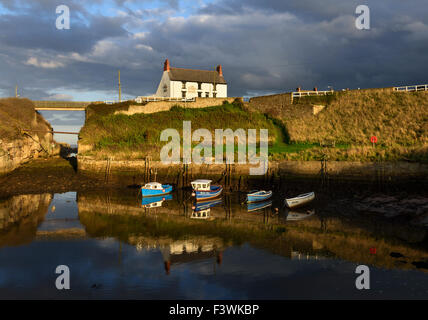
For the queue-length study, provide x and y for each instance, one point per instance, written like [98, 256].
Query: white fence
[147, 99]
[299, 94]
[420, 87]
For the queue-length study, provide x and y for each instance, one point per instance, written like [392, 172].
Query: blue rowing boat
[203, 190]
[258, 195]
[155, 189]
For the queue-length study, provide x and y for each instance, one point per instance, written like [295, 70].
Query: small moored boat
[258, 195]
[155, 189]
[203, 190]
[300, 200]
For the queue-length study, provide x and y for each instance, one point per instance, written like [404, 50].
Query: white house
[190, 83]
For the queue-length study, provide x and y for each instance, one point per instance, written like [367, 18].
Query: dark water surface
[116, 248]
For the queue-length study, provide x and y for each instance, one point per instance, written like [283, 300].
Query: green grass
[138, 135]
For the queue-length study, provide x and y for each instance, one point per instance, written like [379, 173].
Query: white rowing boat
[300, 200]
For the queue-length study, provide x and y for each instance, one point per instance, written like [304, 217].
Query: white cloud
[33, 61]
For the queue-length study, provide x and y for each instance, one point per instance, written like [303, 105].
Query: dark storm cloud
[264, 46]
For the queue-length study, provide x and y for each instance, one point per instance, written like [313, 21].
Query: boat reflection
[155, 202]
[255, 206]
[202, 210]
[297, 216]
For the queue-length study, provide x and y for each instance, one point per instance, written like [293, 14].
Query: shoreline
[58, 175]
[341, 170]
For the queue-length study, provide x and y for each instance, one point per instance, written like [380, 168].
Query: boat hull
[207, 195]
[254, 197]
[300, 200]
[159, 192]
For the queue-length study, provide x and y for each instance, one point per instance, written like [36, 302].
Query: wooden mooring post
[147, 169]
[324, 173]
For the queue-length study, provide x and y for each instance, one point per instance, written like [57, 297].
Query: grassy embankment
[138, 136]
[343, 129]
[340, 132]
[16, 114]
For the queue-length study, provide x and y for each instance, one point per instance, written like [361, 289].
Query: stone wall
[305, 169]
[157, 106]
[16, 152]
[25, 134]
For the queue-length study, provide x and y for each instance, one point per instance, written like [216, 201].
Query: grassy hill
[137, 136]
[16, 114]
[398, 120]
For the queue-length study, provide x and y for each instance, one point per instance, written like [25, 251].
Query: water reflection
[154, 202]
[296, 216]
[202, 210]
[239, 243]
[256, 206]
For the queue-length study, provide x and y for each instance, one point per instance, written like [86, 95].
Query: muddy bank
[53, 175]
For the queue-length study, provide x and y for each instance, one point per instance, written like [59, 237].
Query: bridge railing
[418, 87]
[61, 104]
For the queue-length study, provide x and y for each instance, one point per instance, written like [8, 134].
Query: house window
[183, 94]
[207, 94]
[183, 86]
[199, 86]
[199, 94]
[215, 95]
[165, 88]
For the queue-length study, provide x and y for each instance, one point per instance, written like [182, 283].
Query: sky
[265, 47]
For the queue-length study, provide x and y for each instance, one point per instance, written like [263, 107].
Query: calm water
[117, 248]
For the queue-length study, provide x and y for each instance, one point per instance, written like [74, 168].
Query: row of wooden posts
[185, 176]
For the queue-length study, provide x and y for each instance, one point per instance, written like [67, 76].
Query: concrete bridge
[61, 105]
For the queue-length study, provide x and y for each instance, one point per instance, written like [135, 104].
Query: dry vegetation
[398, 120]
[16, 114]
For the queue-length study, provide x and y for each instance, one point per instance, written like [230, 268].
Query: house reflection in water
[183, 251]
